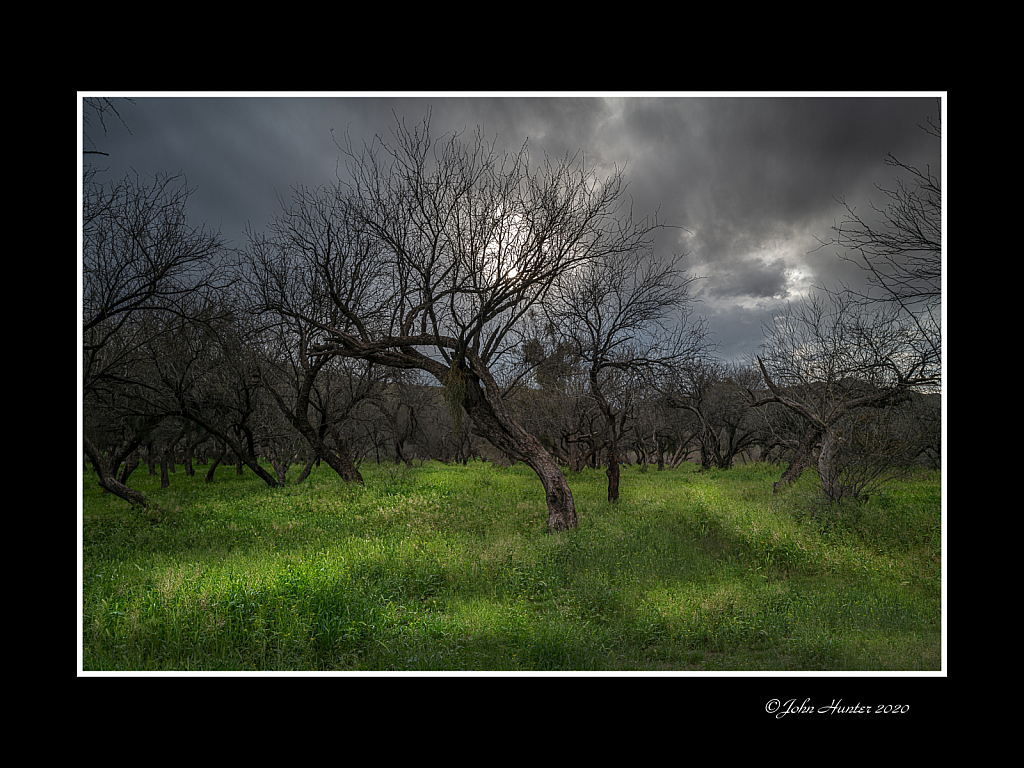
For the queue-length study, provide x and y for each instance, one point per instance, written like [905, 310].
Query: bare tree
[625, 315]
[317, 394]
[206, 371]
[437, 249]
[825, 358]
[139, 254]
[901, 249]
[716, 393]
[142, 263]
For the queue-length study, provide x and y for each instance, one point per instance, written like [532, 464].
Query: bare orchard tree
[900, 247]
[715, 392]
[826, 358]
[142, 262]
[203, 371]
[433, 250]
[315, 391]
[625, 315]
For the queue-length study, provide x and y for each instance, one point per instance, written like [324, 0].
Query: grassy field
[450, 568]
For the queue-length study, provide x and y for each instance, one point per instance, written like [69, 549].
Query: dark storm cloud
[751, 179]
[749, 168]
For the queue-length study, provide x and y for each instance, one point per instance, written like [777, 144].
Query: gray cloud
[749, 278]
[752, 179]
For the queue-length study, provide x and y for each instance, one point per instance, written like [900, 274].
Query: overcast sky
[752, 178]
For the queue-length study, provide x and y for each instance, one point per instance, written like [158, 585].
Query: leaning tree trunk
[243, 457]
[216, 463]
[804, 457]
[488, 412]
[130, 464]
[561, 506]
[340, 460]
[306, 470]
[110, 483]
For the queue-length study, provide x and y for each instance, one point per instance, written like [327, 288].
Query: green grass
[451, 568]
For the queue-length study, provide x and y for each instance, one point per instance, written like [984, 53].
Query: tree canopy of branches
[442, 292]
[626, 316]
[825, 358]
[146, 274]
[428, 256]
[901, 247]
[716, 394]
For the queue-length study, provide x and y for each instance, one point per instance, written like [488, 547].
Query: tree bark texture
[828, 460]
